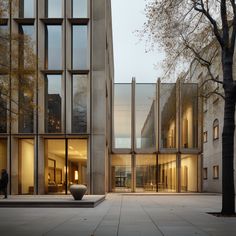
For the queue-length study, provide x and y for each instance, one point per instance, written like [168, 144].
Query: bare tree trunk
[228, 194]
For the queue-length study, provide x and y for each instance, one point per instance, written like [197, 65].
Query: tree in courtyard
[184, 28]
[17, 70]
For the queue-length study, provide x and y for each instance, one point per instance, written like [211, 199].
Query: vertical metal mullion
[37, 103]
[66, 163]
[178, 157]
[10, 95]
[133, 140]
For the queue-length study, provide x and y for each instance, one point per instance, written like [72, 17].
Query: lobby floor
[123, 215]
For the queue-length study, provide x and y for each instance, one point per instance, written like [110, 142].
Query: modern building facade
[157, 141]
[71, 124]
[64, 138]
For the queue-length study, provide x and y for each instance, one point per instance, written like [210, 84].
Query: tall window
[54, 8]
[80, 8]
[26, 8]
[216, 129]
[4, 93]
[53, 47]
[26, 81]
[215, 172]
[80, 103]
[80, 47]
[53, 103]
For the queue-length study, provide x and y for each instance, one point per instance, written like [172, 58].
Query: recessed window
[205, 137]
[80, 99]
[54, 8]
[205, 174]
[215, 172]
[216, 129]
[53, 103]
[26, 9]
[53, 47]
[80, 8]
[80, 47]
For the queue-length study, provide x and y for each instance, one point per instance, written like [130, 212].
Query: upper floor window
[53, 103]
[54, 8]
[26, 9]
[79, 8]
[80, 47]
[205, 137]
[216, 129]
[53, 47]
[215, 172]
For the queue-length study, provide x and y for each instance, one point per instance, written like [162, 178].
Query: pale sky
[130, 57]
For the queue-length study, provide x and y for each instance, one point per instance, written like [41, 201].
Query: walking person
[4, 182]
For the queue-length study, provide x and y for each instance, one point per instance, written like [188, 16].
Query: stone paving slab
[88, 201]
[122, 215]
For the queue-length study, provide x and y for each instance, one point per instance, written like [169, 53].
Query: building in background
[65, 137]
[213, 118]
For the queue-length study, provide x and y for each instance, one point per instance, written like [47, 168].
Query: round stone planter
[78, 191]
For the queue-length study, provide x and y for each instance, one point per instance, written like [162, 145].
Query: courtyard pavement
[123, 215]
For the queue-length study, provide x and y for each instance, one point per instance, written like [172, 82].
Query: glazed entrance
[154, 173]
[65, 164]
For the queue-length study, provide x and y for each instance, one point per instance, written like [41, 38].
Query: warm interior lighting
[76, 175]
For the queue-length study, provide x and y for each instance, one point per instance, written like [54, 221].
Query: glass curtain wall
[189, 115]
[26, 166]
[121, 173]
[168, 115]
[145, 109]
[53, 103]
[80, 8]
[26, 8]
[146, 173]
[122, 116]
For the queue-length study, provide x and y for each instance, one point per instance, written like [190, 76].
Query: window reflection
[80, 8]
[4, 95]
[53, 103]
[167, 173]
[121, 173]
[145, 173]
[4, 40]
[122, 116]
[80, 47]
[80, 103]
[54, 8]
[145, 114]
[168, 115]
[189, 116]
[53, 47]
[26, 46]
[26, 8]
